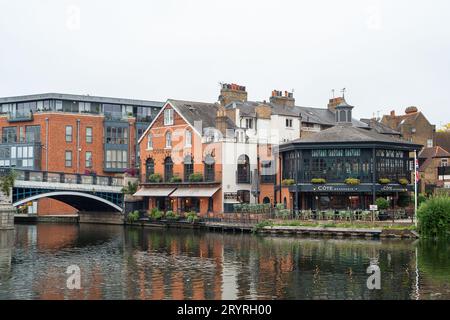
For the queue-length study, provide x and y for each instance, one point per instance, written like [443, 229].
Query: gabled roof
[443, 140]
[380, 127]
[350, 134]
[434, 152]
[403, 119]
[324, 116]
[193, 111]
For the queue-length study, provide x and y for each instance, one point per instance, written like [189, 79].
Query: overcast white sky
[389, 54]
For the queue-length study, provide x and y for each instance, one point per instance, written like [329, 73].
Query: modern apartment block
[72, 134]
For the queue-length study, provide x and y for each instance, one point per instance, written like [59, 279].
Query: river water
[135, 263]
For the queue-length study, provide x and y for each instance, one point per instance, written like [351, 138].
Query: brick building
[434, 169]
[72, 134]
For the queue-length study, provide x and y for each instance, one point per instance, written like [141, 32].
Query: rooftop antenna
[332, 93]
[343, 92]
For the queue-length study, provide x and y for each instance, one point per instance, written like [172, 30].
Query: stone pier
[7, 217]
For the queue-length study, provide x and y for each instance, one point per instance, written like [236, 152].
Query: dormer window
[249, 123]
[168, 117]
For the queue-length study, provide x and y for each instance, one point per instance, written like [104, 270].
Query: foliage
[382, 203]
[175, 179]
[7, 182]
[288, 182]
[155, 178]
[261, 225]
[280, 206]
[434, 217]
[155, 214]
[196, 177]
[403, 181]
[170, 215]
[352, 181]
[131, 188]
[384, 181]
[318, 181]
[445, 128]
[421, 198]
[131, 172]
[191, 217]
[133, 216]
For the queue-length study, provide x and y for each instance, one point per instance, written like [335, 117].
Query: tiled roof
[380, 127]
[434, 152]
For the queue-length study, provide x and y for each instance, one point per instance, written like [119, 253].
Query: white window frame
[188, 139]
[429, 143]
[168, 136]
[168, 117]
[149, 142]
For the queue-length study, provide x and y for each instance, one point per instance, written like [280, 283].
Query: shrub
[288, 182]
[192, 217]
[133, 216]
[155, 178]
[131, 188]
[434, 217]
[384, 181]
[421, 198]
[280, 206]
[196, 177]
[403, 181]
[7, 182]
[404, 200]
[155, 214]
[170, 215]
[175, 179]
[352, 181]
[318, 181]
[261, 225]
[382, 203]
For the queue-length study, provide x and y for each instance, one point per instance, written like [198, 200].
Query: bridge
[87, 193]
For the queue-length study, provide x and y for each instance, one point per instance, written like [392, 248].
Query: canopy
[203, 192]
[154, 192]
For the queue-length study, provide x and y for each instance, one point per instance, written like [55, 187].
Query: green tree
[7, 182]
[434, 217]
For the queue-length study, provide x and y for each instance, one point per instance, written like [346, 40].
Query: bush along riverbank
[434, 218]
[158, 218]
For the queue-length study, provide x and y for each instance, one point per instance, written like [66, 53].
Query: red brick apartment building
[72, 134]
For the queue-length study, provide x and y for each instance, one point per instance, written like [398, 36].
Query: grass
[347, 225]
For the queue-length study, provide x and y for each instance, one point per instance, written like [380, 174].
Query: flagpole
[415, 187]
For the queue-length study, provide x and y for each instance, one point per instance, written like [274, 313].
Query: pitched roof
[194, 111]
[324, 116]
[350, 134]
[380, 127]
[403, 119]
[443, 140]
[434, 152]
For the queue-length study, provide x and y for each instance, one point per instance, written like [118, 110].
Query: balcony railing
[268, 178]
[20, 116]
[60, 177]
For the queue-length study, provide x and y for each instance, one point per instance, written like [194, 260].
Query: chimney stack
[334, 102]
[232, 93]
[393, 113]
[286, 99]
[221, 120]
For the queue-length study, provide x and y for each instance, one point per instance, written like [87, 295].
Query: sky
[388, 54]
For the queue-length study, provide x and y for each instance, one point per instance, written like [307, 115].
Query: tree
[445, 128]
[7, 182]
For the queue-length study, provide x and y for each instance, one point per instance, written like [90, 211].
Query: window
[33, 134]
[168, 117]
[9, 135]
[69, 133]
[288, 123]
[116, 159]
[249, 123]
[149, 141]
[209, 168]
[168, 169]
[117, 135]
[58, 105]
[188, 141]
[112, 111]
[88, 159]
[243, 169]
[429, 143]
[188, 167]
[68, 158]
[88, 135]
[149, 168]
[243, 196]
[444, 162]
[168, 139]
[85, 107]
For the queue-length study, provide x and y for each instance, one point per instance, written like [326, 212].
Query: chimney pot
[393, 113]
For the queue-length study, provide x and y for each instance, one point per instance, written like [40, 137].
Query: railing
[268, 178]
[20, 116]
[60, 177]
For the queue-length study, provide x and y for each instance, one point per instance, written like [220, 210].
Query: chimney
[334, 102]
[393, 113]
[284, 99]
[232, 93]
[221, 120]
[411, 110]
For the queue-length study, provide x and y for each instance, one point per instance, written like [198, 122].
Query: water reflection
[135, 263]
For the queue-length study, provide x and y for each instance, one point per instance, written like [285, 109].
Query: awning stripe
[154, 192]
[195, 192]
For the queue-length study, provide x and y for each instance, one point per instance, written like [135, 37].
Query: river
[134, 263]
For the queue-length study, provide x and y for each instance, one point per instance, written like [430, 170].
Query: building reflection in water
[136, 263]
[6, 251]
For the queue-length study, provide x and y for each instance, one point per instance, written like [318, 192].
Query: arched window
[168, 169]
[168, 139]
[188, 139]
[188, 167]
[243, 169]
[266, 200]
[149, 141]
[209, 168]
[149, 168]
